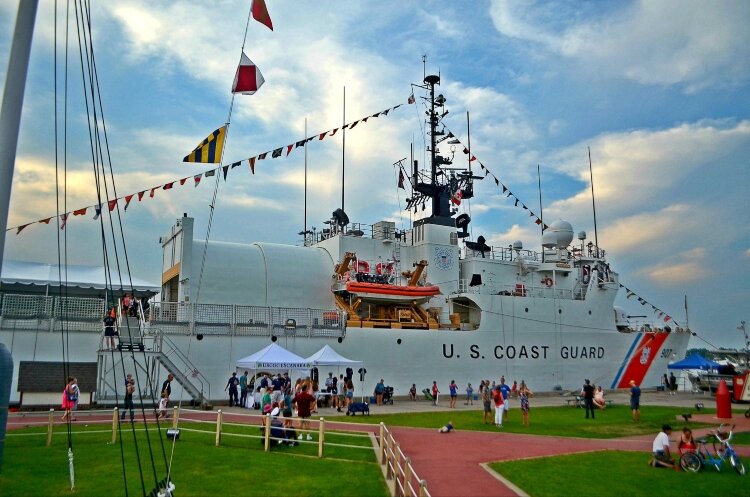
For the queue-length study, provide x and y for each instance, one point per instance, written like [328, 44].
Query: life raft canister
[362, 266]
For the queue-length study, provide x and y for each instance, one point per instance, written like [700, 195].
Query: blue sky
[658, 90]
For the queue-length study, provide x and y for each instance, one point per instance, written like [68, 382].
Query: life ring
[548, 282]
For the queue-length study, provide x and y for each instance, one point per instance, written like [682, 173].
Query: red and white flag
[260, 13]
[248, 78]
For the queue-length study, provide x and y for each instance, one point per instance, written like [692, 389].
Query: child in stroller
[388, 395]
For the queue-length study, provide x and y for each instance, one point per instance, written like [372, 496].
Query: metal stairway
[195, 391]
[145, 354]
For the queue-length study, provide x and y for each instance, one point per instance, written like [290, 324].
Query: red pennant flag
[472, 159]
[538, 221]
[182, 181]
[262, 156]
[20, 228]
[456, 199]
[289, 149]
[140, 195]
[80, 212]
[112, 205]
[248, 77]
[411, 99]
[334, 131]
[401, 180]
[168, 186]
[353, 124]
[322, 135]
[667, 319]
[153, 192]
[197, 179]
[128, 198]
[252, 165]
[64, 219]
[45, 221]
[260, 13]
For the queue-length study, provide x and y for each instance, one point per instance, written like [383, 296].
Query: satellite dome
[517, 245]
[558, 234]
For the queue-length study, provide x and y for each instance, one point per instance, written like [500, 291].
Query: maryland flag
[209, 151]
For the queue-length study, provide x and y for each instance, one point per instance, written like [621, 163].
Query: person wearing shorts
[486, 401]
[635, 401]
[304, 402]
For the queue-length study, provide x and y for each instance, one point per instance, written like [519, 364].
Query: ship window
[589, 312]
[527, 309]
[398, 341]
[559, 311]
[454, 238]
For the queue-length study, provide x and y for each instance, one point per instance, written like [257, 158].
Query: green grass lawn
[616, 473]
[613, 422]
[239, 467]
[741, 438]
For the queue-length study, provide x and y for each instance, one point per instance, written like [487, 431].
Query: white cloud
[686, 267]
[690, 43]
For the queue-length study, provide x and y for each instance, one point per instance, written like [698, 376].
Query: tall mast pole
[593, 203]
[10, 112]
[305, 228]
[539, 185]
[343, 150]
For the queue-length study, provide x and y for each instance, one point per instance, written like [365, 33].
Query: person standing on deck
[453, 390]
[232, 386]
[497, 397]
[505, 389]
[110, 330]
[588, 398]
[635, 401]
[243, 389]
[129, 390]
[435, 393]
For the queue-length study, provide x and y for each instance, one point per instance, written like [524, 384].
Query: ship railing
[516, 289]
[52, 313]
[217, 319]
[502, 254]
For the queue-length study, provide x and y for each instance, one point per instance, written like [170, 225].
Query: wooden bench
[574, 402]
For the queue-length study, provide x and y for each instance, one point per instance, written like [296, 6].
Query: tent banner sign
[290, 365]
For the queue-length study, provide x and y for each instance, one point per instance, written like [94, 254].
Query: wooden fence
[397, 467]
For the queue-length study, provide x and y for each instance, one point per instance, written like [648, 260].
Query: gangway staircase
[144, 354]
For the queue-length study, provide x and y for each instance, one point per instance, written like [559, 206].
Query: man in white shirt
[662, 456]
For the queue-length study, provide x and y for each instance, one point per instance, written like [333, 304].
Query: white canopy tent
[326, 356]
[274, 358]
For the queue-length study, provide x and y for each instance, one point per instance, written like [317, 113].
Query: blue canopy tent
[695, 361]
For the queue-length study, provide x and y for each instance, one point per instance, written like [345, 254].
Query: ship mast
[10, 114]
[443, 182]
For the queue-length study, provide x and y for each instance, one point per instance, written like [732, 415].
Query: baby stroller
[388, 395]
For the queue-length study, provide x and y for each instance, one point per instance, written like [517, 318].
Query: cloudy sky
[658, 90]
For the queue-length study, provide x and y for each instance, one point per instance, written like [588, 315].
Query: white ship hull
[546, 360]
